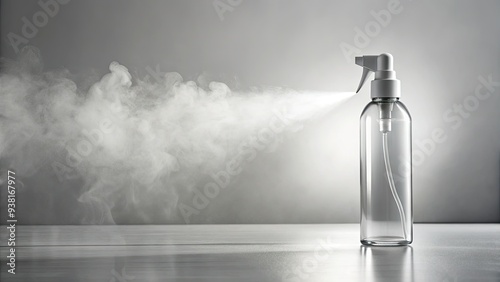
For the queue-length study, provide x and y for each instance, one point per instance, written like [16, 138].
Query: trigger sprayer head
[385, 84]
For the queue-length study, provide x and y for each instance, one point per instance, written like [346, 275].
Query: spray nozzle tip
[359, 60]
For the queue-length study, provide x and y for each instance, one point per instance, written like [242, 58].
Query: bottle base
[385, 241]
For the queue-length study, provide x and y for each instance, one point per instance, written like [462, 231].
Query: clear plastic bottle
[386, 178]
[386, 170]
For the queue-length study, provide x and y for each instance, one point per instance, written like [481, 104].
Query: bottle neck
[385, 99]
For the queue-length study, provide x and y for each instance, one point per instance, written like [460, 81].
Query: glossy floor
[440, 252]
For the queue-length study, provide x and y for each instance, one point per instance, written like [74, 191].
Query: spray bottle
[386, 173]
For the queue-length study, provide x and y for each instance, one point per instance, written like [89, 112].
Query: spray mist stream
[127, 149]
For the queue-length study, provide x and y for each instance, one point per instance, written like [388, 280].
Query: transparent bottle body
[386, 175]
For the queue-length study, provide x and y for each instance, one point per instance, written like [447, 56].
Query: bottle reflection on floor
[387, 263]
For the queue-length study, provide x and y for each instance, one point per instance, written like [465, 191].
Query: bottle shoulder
[402, 109]
[399, 110]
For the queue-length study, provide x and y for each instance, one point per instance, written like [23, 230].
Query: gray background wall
[441, 49]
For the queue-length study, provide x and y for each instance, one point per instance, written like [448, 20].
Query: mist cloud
[133, 146]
